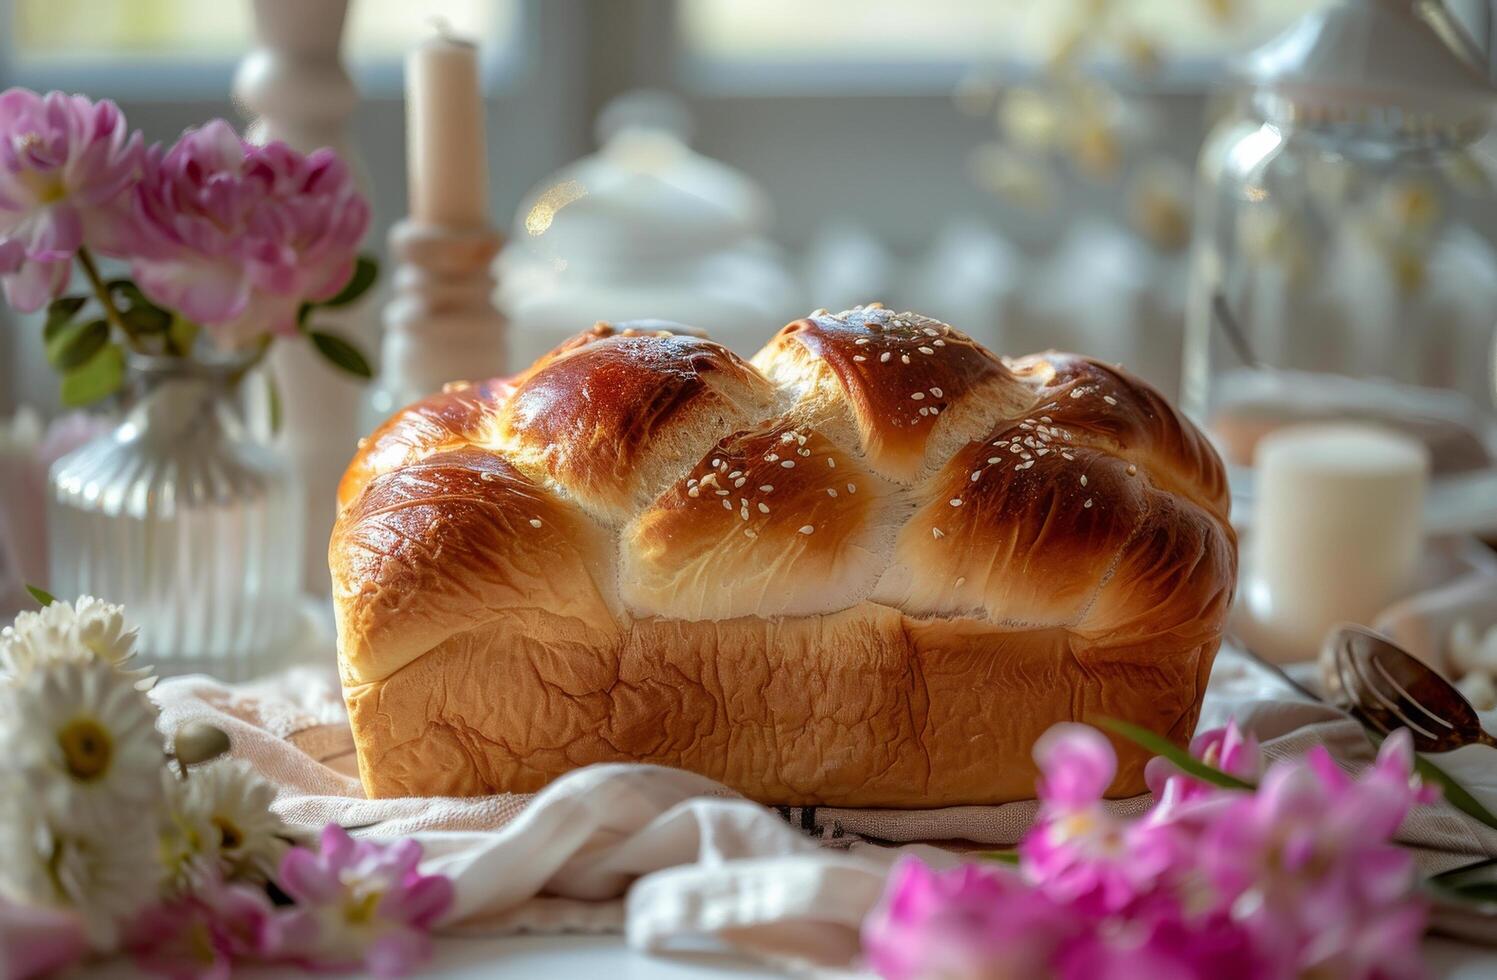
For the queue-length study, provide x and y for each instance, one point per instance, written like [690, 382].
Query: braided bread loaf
[867, 569]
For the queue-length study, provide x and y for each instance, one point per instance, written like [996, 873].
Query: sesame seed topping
[955, 501]
[934, 410]
[1132, 469]
[918, 395]
[1066, 455]
[1076, 392]
[930, 331]
[535, 522]
[924, 411]
[938, 343]
[859, 357]
[975, 475]
[743, 513]
[740, 481]
[727, 505]
[1025, 466]
[831, 463]
[766, 488]
[993, 460]
[852, 488]
[803, 452]
[904, 358]
[1088, 502]
[1083, 479]
[936, 392]
[749, 532]
[772, 457]
[937, 533]
[884, 357]
[961, 580]
[716, 463]
[1041, 452]
[1046, 419]
[789, 464]
[694, 492]
[861, 341]
[722, 493]
[831, 491]
[1109, 399]
[806, 528]
[763, 507]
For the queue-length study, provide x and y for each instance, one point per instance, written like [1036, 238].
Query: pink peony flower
[237, 236]
[970, 922]
[1078, 851]
[66, 168]
[202, 936]
[36, 941]
[359, 904]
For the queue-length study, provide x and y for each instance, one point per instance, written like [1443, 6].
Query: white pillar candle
[1337, 533]
[445, 152]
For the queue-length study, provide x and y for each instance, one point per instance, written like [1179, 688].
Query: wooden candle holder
[441, 324]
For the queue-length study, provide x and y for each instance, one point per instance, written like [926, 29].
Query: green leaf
[75, 344]
[1159, 745]
[273, 401]
[302, 312]
[60, 312]
[340, 353]
[42, 596]
[1002, 857]
[365, 271]
[141, 314]
[101, 377]
[1455, 793]
[181, 335]
[1475, 883]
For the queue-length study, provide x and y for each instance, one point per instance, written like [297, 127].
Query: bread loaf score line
[868, 568]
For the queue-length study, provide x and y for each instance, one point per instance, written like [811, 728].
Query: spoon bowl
[1388, 688]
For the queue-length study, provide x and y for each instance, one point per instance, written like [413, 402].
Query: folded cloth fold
[670, 857]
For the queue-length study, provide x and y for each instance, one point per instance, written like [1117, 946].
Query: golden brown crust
[782, 574]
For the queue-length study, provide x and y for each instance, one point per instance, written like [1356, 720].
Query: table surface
[514, 957]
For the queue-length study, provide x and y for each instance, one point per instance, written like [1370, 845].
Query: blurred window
[734, 37]
[52, 36]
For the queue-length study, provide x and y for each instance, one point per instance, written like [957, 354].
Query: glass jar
[1335, 271]
[184, 517]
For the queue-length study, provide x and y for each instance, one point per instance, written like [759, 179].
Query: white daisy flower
[90, 628]
[84, 740]
[102, 867]
[219, 823]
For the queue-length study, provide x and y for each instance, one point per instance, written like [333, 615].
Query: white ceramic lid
[1358, 55]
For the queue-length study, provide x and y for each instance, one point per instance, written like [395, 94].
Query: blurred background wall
[880, 129]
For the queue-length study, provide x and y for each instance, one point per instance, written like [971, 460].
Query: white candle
[445, 152]
[1337, 533]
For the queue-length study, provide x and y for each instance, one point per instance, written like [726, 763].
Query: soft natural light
[204, 30]
[841, 31]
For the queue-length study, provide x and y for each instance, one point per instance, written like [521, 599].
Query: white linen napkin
[668, 857]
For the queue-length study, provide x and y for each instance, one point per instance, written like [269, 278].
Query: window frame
[138, 79]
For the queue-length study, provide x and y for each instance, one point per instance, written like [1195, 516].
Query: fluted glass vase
[185, 517]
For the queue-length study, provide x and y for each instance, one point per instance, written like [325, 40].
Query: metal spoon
[1386, 687]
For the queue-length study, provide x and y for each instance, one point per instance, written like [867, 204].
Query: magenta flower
[359, 904]
[38, 942]
[1226, 749]
[236, 236]
[66, 169]
[970, 922]
[1079, 852]
[1306, 864]
[202, 936]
